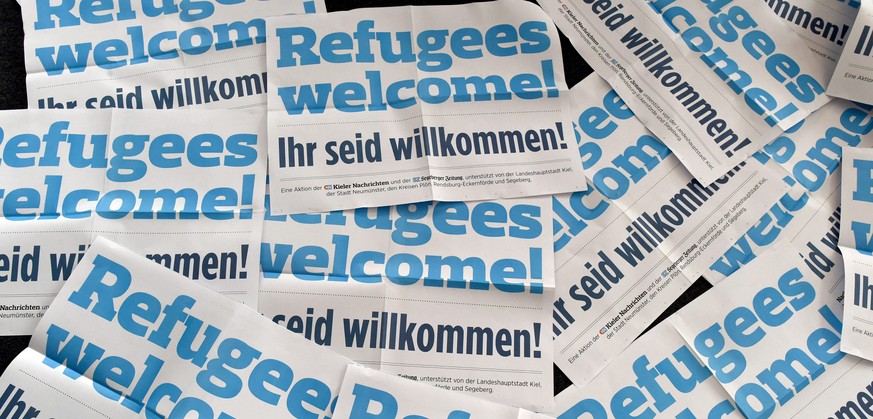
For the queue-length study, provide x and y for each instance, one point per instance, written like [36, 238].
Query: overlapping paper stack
[409, 213]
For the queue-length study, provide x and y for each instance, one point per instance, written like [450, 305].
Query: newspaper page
[631, 244]
[770, 334]
[389, 106]
[856, 244]
[716, 81]
[853, 77]
[823, 25]
[452, 294]
[808, 215]
[658, 376]
[186, 351]
[184, 189]
[368, 394]
[715, 357]
[149, 55]
[156, 344]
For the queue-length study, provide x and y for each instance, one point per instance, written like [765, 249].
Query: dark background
[13, 95]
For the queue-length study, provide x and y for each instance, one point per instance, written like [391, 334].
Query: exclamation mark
[244, 257]
[742, 144]
[739, 146]
[536, 270]
[537, 353]
[560, 127]
[549, 78]
[843, 33]
[247, 196]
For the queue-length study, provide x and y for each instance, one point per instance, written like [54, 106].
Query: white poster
[154, 343]
[86, 54]
[452, 294]
[388, 106]
[184, 189]
[853, 77]
[628, 246]
[715, 80]
[856, 245]
[128, 338]
[770, 334]
[808, 215]
[763, 343]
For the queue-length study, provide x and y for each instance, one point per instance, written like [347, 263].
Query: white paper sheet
[149, 55]
[716, 81]
[763, 343]
[632, 243]
[186, 189]
[455, 295]
[856, 245]
[155, 343]
[853, 77]
[388, 106]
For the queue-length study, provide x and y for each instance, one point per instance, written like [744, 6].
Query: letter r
[365, 397]
[287, 47]
[106, 293]
[45, 11]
